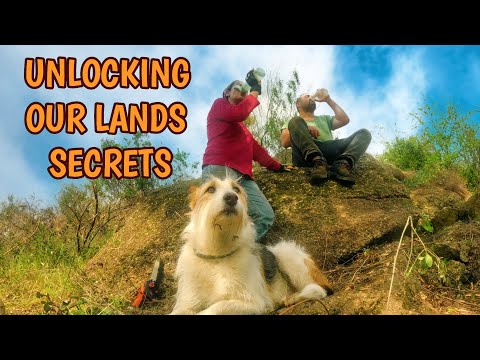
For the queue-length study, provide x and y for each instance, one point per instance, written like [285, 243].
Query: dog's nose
[230, 198]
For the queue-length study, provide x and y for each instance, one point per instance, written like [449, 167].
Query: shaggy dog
[222, 270]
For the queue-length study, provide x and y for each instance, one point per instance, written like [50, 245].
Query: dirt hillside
[353, 233]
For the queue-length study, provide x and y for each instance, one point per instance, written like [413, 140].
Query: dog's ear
[192, 196]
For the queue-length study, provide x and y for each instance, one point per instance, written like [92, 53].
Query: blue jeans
[259, 209]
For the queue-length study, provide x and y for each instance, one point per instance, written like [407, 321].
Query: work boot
[341, 170]
[319, 172]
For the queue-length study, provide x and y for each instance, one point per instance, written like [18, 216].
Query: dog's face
[219, 203]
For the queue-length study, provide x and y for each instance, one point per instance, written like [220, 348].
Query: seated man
[313, 145]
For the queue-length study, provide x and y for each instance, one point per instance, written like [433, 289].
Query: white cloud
[230, 62]
[383, 110]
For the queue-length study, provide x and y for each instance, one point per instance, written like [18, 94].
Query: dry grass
[452, 181]
[22, 282]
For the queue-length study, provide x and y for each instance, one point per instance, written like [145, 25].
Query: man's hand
[324, 99]
[321, 95]
[285, 168]
[313, 131]
[253, 82]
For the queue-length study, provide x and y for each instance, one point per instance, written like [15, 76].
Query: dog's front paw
[290, 300]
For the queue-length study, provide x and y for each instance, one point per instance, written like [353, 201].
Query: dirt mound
[332, 221]
[352, 233]
[152, 229]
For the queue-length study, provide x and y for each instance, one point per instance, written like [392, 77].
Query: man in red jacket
[231, 148]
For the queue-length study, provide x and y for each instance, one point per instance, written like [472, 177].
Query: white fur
[234, 284]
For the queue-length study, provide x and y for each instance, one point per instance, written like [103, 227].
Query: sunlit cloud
[379, 100]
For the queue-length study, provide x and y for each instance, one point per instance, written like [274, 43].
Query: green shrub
[406, 153]
[447, 140]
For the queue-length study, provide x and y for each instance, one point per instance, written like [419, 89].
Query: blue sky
[378, 87]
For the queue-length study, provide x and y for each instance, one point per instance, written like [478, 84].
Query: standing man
[313, 145]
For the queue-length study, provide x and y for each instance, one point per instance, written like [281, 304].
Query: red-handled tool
[150, 289]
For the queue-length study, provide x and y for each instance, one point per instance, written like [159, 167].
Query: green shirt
[324, 125]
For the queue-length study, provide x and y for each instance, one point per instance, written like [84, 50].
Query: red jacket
[230, 143]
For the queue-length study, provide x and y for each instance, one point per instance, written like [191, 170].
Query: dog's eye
[211, 189]
[236, 189]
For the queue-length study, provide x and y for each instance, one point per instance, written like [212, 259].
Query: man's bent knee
[295, 123]
[365, 135]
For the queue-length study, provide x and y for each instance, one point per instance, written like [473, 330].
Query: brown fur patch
[196, 194]
[317, 275]
[192, 196]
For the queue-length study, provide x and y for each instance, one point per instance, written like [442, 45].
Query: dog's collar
[209, 257]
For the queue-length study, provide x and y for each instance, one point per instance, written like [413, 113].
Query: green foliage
[116, 189]
[27, 226]
[442, 271]
[35, 253]
[276, 106]
[406, 153]
[43, 249]
[442, 131]
[455, 138]
[128, 189]
[77, 305]
[425, 224]
[426, 262]
[87, 213]
[447, 140]
[65, 307]
[182, 167]
[423, 262]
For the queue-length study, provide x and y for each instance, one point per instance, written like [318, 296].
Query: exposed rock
[443, 207]
[457, 273]
[473, 206]
[460, 242]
